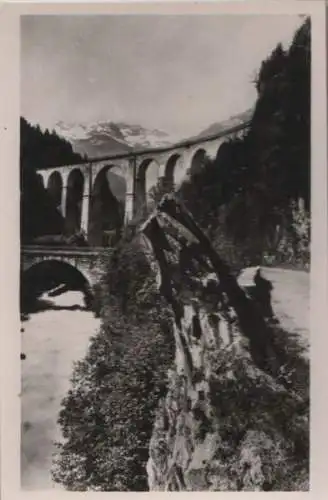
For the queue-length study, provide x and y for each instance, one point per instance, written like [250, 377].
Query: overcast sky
[175, 73]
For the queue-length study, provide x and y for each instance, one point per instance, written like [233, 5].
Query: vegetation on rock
[108, 413]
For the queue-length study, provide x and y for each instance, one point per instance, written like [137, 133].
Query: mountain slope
[105, 138]
[108, 138]
[233, 121]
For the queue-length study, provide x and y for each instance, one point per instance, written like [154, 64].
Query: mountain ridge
[109, 138]
[106, 137]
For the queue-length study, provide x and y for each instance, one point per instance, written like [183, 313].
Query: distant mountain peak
[106, 137]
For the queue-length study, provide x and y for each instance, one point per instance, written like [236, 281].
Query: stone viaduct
[98, 195]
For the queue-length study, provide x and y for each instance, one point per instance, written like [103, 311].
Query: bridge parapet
[67, 250]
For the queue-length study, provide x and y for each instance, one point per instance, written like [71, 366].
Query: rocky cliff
[235, 416]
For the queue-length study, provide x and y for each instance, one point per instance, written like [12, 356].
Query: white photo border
[9, 223]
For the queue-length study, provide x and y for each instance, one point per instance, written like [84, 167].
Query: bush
[106, 418]
[244, 230]
[275, 407]
[96, 301]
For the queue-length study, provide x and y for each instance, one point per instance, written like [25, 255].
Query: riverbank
[58, 334]
[53, 339]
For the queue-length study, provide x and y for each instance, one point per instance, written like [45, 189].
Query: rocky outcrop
[233, 418]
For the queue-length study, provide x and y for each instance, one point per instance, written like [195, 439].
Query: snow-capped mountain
[231, 122]
[109, 138]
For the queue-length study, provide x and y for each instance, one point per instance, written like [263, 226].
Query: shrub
[107, 415]
[275, 407]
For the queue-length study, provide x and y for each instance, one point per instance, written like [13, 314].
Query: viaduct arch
[55, 188]
[74, 198]
[170, 175]
[106, 205]
[40, 179]
[94, 201]
[197, 161]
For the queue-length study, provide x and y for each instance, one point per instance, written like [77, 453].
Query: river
[53, 338]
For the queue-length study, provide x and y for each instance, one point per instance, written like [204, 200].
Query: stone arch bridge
[85, 263]
[101, 194]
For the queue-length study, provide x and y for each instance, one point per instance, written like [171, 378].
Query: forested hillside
[44, 149]
[255, 195]
[253, 201]
[40, 149]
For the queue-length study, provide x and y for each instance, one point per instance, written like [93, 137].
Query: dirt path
[52, 341]
[291, 301]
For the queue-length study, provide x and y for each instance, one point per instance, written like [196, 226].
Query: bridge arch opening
[227, 170]
[55, 188]
[198, 161]
[40, 180]
[53, 277]
[74, 199]
[223, 152]
[146, 182]
[107, 206]
[171, 175]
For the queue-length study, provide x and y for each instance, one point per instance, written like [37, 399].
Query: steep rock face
[228, 422]
[218, 427]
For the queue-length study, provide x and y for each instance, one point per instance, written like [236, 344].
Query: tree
[39, 215]
[254, 181]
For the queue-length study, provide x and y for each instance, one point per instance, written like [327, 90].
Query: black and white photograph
[165, 251]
